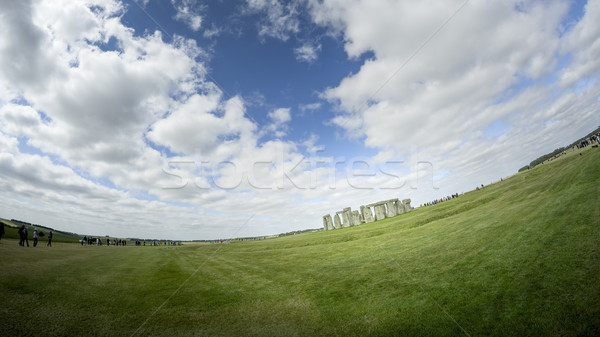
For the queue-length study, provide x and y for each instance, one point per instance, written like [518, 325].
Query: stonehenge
[380, 210]
[327, 222]
[366, 213]
[336, 221]
[356, 220]
[399, 206]
[406, 203]
[392, 209]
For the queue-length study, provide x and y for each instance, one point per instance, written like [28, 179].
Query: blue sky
[190, 119]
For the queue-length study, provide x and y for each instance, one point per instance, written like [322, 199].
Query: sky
[191, 120]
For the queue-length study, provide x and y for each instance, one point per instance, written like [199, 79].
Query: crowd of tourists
[440, 200]
[91, 241]
[588, 141]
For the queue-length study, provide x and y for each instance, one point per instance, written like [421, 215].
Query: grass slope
[11, 232]
[11, 229]
[520, 257]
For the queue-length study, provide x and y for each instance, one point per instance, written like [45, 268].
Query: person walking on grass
[22, 236]
[49, 239]
[35, 237]
[1, 230]
[26, 236]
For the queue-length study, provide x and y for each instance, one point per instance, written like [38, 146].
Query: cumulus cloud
[109, 114]
[93, 136]
[433, 102]
[446, 90]
[279, 119]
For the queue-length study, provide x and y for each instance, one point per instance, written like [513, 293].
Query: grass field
[520, 257]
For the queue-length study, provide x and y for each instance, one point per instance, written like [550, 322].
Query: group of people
[91, 241]
[24, 239]
[446, 198]
[24, 236]
[588, 141]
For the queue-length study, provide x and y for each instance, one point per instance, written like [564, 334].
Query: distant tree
[545, 157]
[526, 167]
[41, 234]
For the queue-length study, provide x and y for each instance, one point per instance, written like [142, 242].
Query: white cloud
[444, 91]
[310, 106]
[492, 62]
[583, 43]
[307, 52]
[279, 119]
[311, 144]
[211, 32]
[280, 20]
[280, 116]
[188, 11]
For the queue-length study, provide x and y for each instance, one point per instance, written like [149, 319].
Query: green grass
[520, 257]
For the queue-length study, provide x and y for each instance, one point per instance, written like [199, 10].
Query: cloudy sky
[187, 119]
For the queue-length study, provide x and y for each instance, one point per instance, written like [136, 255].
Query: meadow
[519, 258]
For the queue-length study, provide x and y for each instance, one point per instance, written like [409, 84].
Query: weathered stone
[406, 203]
[345, 218]
[327, 222]
[380, 212]
[399, 206]
[336, 221]
[367, 215]
[355, 216]
[392, 210]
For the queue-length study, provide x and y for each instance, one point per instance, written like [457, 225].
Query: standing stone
[336, 221]
[327, 223]
[344, 217]
[380, 212]
[406, 203]
[366, 214]
[392, 210]
[348, 212]
[399, 206]
[355, 216]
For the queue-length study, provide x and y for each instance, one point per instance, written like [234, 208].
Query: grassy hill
[520, 257]
[11, 232]
[11, 228]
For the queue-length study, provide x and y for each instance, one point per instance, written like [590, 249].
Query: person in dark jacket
[22, 236]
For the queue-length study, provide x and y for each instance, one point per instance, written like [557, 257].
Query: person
[49, 239]
[26, 236]
[35, 237]
[1, 230]
[21, 236]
